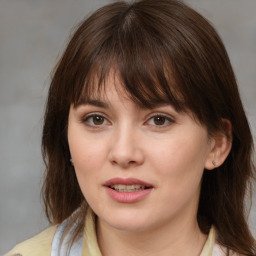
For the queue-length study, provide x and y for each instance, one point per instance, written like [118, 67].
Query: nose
[126, 148]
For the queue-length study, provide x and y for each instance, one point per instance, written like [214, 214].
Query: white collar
[89, 247]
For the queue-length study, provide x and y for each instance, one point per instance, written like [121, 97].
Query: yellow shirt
[41, 244]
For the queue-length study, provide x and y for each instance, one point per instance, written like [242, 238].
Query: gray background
[33, 34]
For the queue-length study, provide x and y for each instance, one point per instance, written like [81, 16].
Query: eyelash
[165, 117]
[86, 120]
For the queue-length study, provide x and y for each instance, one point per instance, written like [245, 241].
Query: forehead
[103, 91]
[145, 94]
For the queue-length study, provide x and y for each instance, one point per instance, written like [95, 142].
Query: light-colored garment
[48, 241]
[91, 248]
[39, 245]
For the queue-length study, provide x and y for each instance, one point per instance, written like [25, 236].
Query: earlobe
[221, 144]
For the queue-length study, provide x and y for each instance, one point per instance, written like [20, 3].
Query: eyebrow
[153, 105]
[102, 104]
[94, 102]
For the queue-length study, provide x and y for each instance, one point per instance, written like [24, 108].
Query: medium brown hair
[163, 51]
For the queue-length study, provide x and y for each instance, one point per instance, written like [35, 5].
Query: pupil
[98, 120]
[159, 120]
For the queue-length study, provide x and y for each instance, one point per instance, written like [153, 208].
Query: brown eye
[95, 120]
[98, 120]
[159, 120]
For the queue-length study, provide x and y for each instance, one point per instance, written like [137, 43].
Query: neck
[178, 240]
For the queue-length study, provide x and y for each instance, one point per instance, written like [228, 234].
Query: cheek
[85, 151]
[88, 156]
[180, 171]
[181, 161]
[88, 160]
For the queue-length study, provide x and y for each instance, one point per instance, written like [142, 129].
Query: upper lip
[126, 181]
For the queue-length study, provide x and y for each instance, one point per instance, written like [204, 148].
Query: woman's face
[138, 168]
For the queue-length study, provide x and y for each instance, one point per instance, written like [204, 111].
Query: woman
[146, 143]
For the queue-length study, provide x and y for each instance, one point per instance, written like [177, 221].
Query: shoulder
[219, 250]
[36, 246]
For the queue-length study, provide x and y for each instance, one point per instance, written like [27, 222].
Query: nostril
[126, 155]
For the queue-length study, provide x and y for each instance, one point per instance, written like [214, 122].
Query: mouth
[127, 185]
[128, 188]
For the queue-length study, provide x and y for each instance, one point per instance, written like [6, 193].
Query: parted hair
[163, 51]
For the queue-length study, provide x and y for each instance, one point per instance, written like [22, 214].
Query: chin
[129, 226]
[126, 222]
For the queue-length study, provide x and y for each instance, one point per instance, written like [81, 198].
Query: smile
[127, 188]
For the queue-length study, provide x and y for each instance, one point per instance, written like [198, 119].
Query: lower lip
[128, 197]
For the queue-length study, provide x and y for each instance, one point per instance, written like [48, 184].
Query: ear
[220, 146]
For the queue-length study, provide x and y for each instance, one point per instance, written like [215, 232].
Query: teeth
[127, 188]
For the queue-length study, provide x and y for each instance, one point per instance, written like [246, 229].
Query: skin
[160, 146]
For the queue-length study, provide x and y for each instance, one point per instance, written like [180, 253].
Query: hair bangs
[141, 66]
